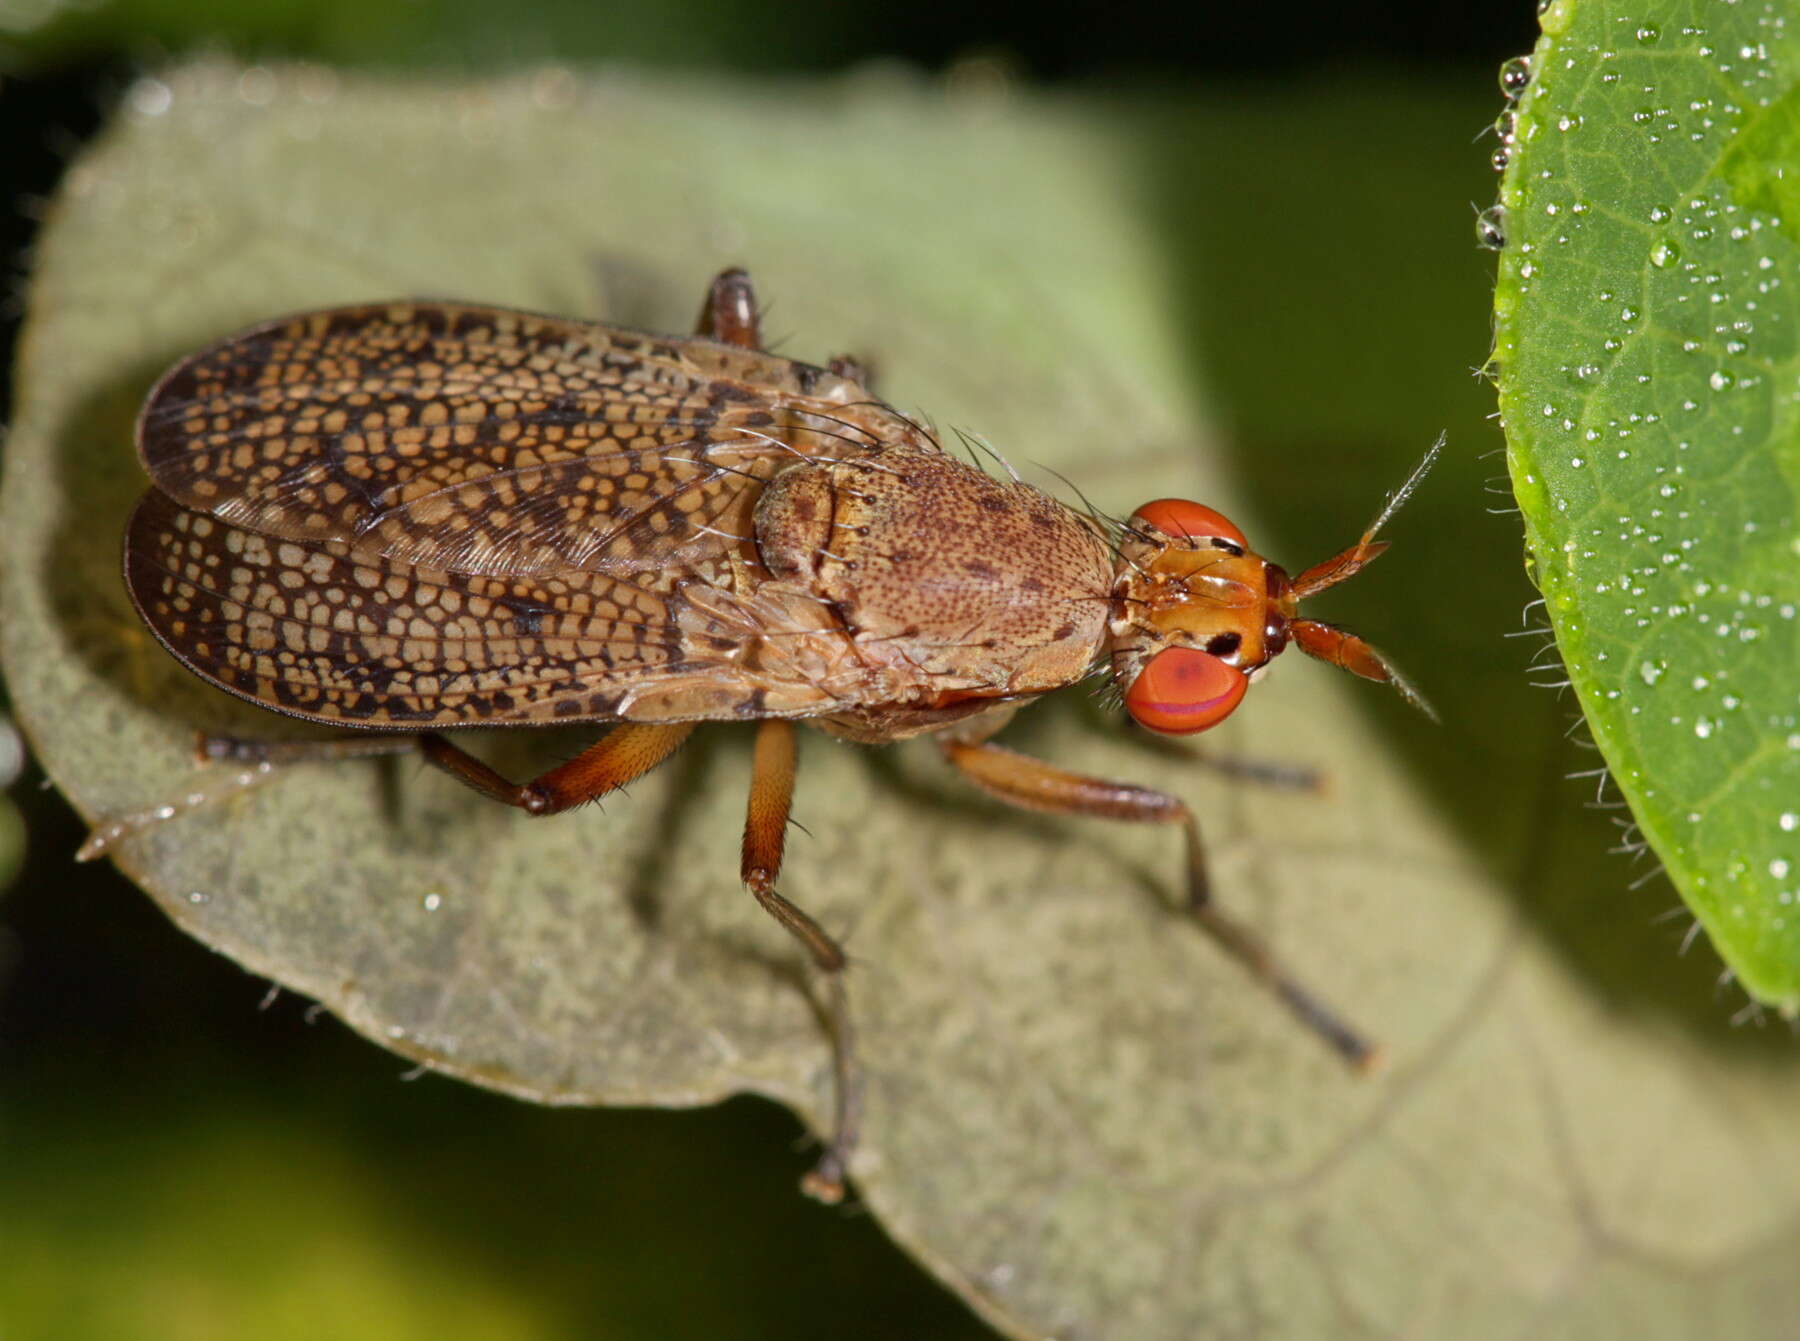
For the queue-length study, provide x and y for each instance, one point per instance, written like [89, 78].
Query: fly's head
[1196, 614]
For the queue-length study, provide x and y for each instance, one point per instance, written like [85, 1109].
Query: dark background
[141, 1071]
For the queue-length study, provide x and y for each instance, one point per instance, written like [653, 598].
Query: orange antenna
[1338, 646]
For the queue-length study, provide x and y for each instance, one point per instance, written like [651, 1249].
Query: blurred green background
[184, 1155]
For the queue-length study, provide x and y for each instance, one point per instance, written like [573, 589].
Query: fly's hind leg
[850, 367]
[729, 313]
[765, 835]
[1035, 785]
[624, 754]
[729, 316]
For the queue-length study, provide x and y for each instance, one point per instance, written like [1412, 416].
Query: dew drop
[1515, 75]
[257, 86]
[1490, 228]
[1664, 254]
[150, 97]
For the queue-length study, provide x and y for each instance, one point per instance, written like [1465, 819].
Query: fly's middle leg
[765, 836]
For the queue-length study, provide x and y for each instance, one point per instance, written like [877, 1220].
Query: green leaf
[1646, 344]
[1079, 1115]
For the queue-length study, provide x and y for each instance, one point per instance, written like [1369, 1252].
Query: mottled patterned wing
[319, 630]
[480, 440]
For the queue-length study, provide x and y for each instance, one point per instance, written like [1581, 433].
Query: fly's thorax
[1206, 593]
[975, 583]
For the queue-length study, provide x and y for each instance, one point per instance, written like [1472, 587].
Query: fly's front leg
[1264, 772]
[1035, 785]
[765, 835]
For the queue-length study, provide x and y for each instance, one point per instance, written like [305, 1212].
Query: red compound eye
[1182, 690]
[1194, 521]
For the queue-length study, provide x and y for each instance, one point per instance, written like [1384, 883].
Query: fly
[410, 517]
